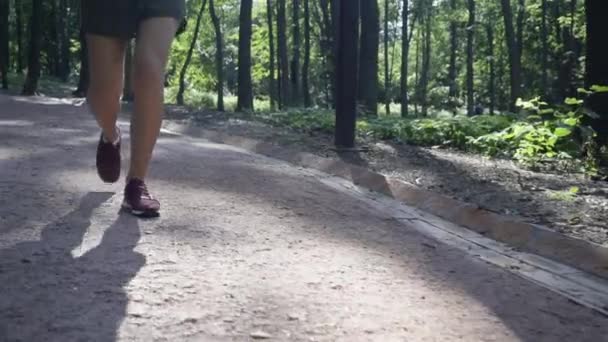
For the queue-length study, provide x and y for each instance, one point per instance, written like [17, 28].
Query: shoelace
[144, 191]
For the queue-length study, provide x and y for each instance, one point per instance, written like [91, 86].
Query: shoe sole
[140, 213]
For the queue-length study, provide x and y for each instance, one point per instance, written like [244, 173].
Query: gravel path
[247, 248]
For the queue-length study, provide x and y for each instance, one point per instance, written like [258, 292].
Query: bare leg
[154, 39]
[106, 60]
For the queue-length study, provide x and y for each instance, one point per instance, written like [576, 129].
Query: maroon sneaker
[108, 159]
[138, 200]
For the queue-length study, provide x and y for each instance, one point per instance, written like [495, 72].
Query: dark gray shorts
[121, 18]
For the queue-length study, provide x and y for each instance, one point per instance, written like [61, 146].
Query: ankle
[113, 136]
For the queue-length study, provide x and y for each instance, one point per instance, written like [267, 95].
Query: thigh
[154, 38]
[111, 18]
[106, 61]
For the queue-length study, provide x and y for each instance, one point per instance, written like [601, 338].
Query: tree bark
[387, 85]
[283, 57]
[426, 62]
[19, 34]
[245, 91]
[544, 55]
[597, 68]
[295, 62]
[219, 55]
[368, 56]
[452, 73]
[4, 42]
[306, 66]
[514, 54]
[33, 73]
[346, 72]
[405, 51]
[64, 41]
[182, 74]
[470, 59]
[491, 61]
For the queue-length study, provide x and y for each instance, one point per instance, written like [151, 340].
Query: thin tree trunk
[63, 27]
[4, 42]
[295, 62]
[387, 85]
[417, 72]
[405, 51]
[514, 60]
[470, 59]
[283, 57]
[19, 34]
[245, 91]
[33, 71]
[306, 66]
[452, 73]
[521, 22]
[368, 56]
[544, 56]
[426, 64]
[346, 72]
[491, 61]
[597, 68]
[219, 56]
[182, 74]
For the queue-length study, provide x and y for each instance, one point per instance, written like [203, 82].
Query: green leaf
[571, 101]
[562, 132]
[574, 190]
[571, 122]
[584, 91]
[599, 89]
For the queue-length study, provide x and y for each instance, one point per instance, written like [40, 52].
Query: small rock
[293, 317]
[260, 335]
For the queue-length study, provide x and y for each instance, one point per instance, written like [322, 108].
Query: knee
[149, 70]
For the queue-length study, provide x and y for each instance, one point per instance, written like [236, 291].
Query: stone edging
[522, 236]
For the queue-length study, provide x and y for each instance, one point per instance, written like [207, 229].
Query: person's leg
[106, 64]
[154, 38]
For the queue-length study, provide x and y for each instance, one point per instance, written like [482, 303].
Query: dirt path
[247, 248]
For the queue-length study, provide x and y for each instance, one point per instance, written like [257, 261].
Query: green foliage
[547, 134]
[566, 195]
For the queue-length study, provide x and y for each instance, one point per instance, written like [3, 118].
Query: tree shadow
[48, 294]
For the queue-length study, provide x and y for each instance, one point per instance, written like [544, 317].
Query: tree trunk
[597, 68]
[491, 61]
[405, 51]
[387, 85]
[4, 42]
[417, 72]
[127, 94]
[470, 59]
[283, 57]
[64, 41]
[295, 62]
[19, 34]
[346, 72]
[521, 21]
[368, 56]
[426, 63]
[544, 55]
[514, 55]
[182, 74]
[245, 91]
[219, 56]
[306, 66]
[452, 73]
[33, 71]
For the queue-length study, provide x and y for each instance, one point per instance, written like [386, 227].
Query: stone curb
[512, 231]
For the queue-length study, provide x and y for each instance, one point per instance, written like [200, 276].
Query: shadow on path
[47, 294]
